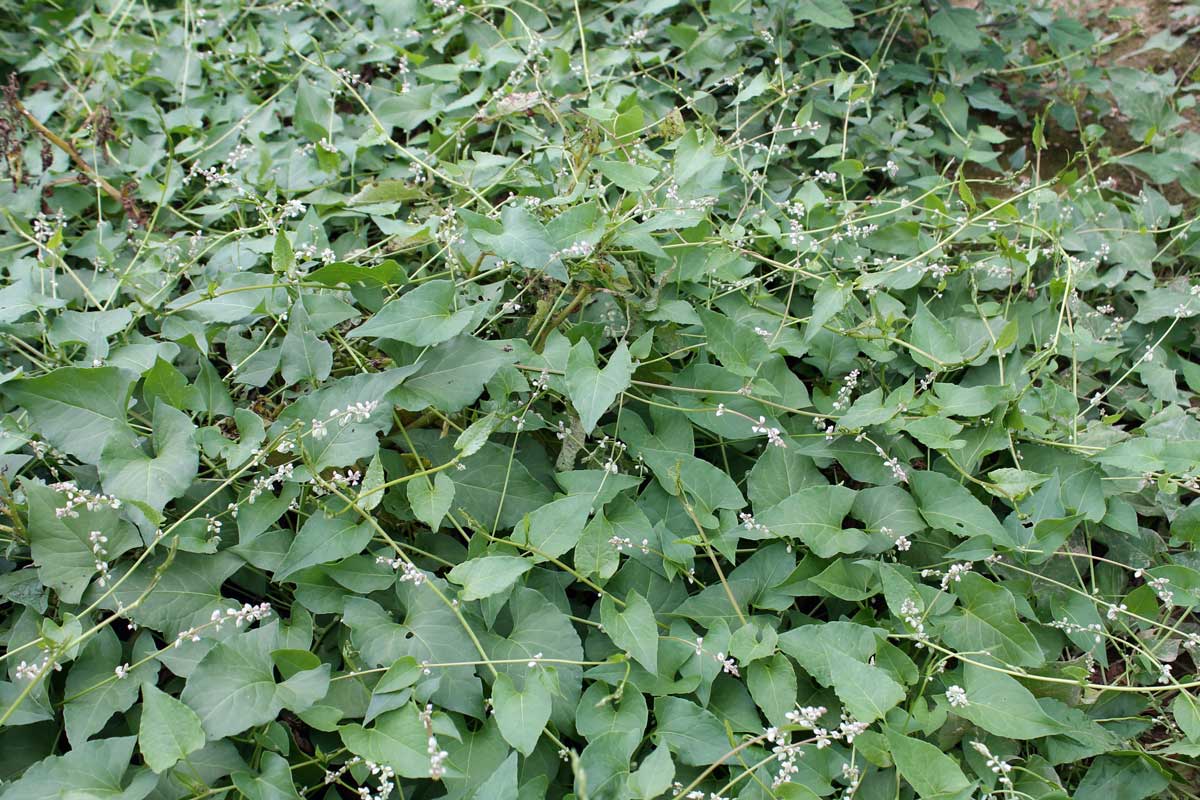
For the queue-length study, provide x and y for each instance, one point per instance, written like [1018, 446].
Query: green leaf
[814, 516]
[431, 498]
[738, 348]
[539, 626]
[273, 782]
[168, 730]
[79, 411]
[370, 493]
[630, 177]
[501, 784]
[693, 733]
[345, 438]
[593, 390]
[933, 345]
[947, 505]
[594, 553]
[835, 654]
[826, 13]
[164, 382]
[1001, 705]
[555, 528]
[622, 718]
[831, 297]
[1186, 710]
[323, 539]
[427, 315]
[303, 355]
[453, 374]
[888, 507]
[476, 487]
[987, 622]
[233, 687]
[128, 473]
[521, 714]
[959, 27]
[398, 739]
[340, 272]
[632, 628]
[933, 774]
[475, 435]
[62, 545]
[518, 237]
[311, 112]
[429, 631]
[484, 577]
[779, 473]
[283, 259]
[654, 775]
[1129, 776]
[94, 769]
[94, 692]
[772, 684]
[387, 191]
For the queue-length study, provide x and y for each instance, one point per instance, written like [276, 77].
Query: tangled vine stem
[656, 385]
[124, 197]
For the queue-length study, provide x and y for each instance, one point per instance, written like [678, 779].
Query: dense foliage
[673, 398]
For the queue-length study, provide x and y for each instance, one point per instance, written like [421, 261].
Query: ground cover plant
[682, 399]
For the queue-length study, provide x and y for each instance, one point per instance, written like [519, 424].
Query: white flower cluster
[44, 227]
[357, 412]
[851, 230]
[750, 524]
[240, 616]
[266, 483]
[386, 777]
[956, 696]
[1159, 585]
[576, 250]
[29, 671]
[624, 542]
[996, 764]
[437, 756]
[42, 450]
[893, 464]
[1067, 626]
[98, 540]
[409, 573]
[76, 497]
[385, 774]
[910, 612]
[846, 390]
[952, 575]
[773, 434]
[697, 794]
[728, 664]
[350, 479]
[853, 776]
[807, 718]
